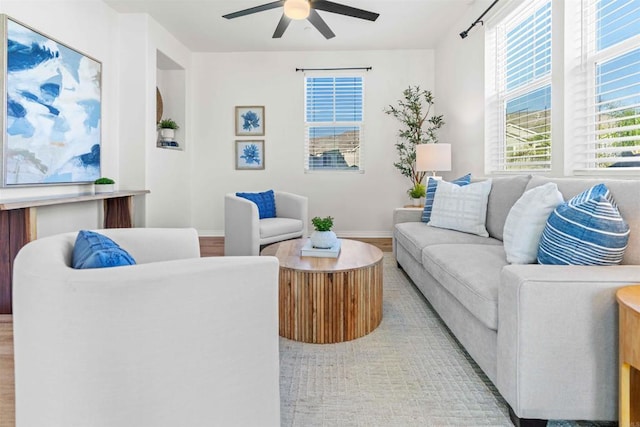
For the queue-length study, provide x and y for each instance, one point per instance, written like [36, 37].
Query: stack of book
[332, 252]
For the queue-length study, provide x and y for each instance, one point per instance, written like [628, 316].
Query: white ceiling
[402, 24]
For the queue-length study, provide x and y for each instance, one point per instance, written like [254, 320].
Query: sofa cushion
[461, 208]
[94, 250]
[586, 230]
[626, 193]
[471, 273]
[504, 193]
[415, 236]
[270, 227]
[432, 185]
[266, 202]
[526, 221]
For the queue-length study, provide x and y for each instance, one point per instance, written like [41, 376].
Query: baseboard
[210, 233]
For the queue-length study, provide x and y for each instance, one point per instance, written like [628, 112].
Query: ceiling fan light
[297, 9]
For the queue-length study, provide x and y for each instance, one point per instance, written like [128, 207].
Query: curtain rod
[334, 69]
[465, 33]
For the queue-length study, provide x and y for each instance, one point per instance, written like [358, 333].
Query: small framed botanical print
[250, 121]
[250, 155]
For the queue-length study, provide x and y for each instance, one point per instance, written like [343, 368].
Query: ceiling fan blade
[319, 23]
[282, 26]
[256, 9]
[329, 6]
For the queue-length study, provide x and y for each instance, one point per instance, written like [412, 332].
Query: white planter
[104, 188]
[323, 239]
[167, 133]
[416, 202]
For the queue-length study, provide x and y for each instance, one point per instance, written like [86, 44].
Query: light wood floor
[209, 246]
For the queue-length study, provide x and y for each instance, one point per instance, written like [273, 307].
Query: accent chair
[245, 233]
[175, 340]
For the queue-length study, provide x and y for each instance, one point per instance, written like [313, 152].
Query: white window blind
[519, 119]
[333, 122]
[609, 107]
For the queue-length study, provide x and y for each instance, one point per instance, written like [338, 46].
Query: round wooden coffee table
[329, 300]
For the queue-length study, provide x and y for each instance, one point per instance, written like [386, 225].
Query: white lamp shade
[433, 157]
[297, 9]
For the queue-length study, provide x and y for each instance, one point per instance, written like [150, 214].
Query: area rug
[410, 371]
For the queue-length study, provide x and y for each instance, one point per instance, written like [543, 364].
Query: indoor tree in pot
[323, 237]
[418, 127]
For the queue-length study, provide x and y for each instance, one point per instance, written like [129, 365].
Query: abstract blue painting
[249, 121]
[250, 154]
[52, 132]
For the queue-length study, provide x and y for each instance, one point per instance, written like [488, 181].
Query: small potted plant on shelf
[104, 185]
[323, 237]
[168, 129]
[416, 193]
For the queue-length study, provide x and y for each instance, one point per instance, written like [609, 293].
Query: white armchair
[176, 340]
[245, 233]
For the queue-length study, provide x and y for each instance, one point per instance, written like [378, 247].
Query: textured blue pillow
[266, 202]
[586, 230]
[432, 185]
[94, 250]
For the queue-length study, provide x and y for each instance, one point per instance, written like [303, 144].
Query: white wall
[142, 164]
[459, 92]
[362, 204]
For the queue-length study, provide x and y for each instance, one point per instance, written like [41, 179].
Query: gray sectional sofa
[546, 336]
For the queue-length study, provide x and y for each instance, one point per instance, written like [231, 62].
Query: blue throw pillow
[266, 202]
[432, 185]
[586, 230]
[94, 250]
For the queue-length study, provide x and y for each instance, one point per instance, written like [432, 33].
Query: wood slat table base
[330, 307]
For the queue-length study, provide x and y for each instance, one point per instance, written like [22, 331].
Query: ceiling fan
[306, 9]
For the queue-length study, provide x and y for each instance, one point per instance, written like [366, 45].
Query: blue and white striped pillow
[586, 230]
[432, 185]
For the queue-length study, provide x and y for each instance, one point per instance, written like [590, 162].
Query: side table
[629, 344]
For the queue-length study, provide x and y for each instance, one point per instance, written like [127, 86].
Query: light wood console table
[18, 226]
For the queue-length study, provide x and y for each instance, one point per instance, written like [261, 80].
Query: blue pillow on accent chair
[432, 185]
[94, 250]
[586, 230]
[266, 202]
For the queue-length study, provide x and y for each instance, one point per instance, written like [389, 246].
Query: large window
[521, 112]
[333, 122]
[611, 69]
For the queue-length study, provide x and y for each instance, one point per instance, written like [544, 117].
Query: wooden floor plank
[7, 399]
[214, 246]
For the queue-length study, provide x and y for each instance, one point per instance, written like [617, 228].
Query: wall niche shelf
[170, 99]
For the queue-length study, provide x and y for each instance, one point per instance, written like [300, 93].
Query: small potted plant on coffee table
[323, 237]
[104, 185]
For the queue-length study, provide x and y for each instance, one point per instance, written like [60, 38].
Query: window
[333, 123]
[610, 132]
[519, 118]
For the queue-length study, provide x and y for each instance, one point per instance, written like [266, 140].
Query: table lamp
[433, 157]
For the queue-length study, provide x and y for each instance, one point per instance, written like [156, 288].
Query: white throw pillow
[526, 221]
[461, 208]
